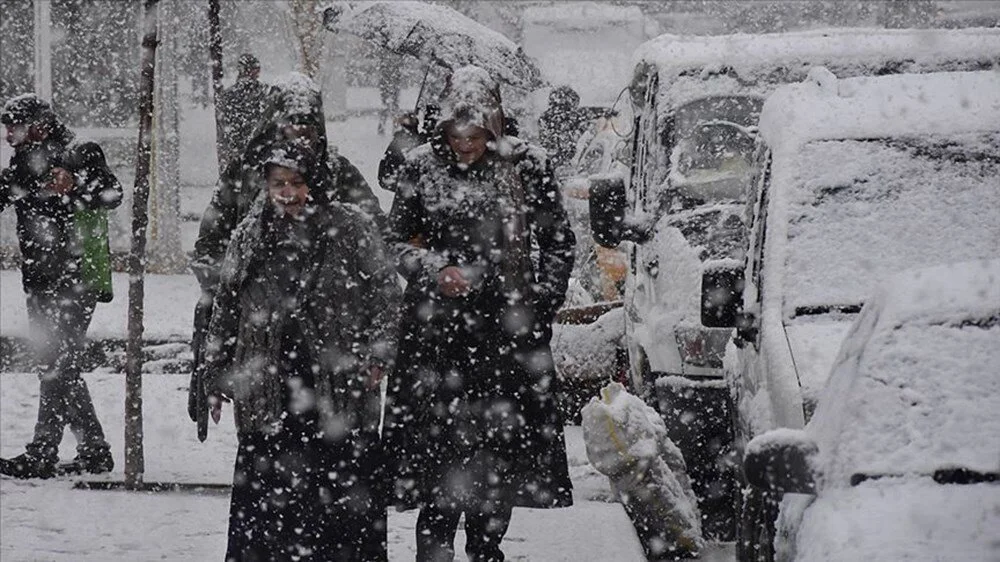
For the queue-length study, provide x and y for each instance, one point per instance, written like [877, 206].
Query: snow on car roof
[745, 53]
[581, 15]
[915, 388]
[869, 107]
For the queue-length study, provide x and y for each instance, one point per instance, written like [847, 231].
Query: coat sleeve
[352, 188]
[381, 296]
[6, 179]
[96, 185]
[550, 231]
[406, 232]
[217, 225]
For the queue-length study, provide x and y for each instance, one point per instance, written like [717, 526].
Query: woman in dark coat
[303, 326]
[486, 248]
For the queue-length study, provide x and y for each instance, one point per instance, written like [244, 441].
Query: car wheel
[755, 536]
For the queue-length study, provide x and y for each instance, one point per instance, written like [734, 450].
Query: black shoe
[26, 466]
[94, 463]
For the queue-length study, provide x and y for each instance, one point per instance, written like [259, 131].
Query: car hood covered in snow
[916, 520]
[915, 389]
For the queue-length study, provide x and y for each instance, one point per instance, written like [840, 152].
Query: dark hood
[471, 97]
[294, 100]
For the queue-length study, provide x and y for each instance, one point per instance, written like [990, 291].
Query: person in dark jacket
[294, 112]
[561, 124]
[50, 180]
[405, 136]
[304, 325]
[485, 245]
[243, 106]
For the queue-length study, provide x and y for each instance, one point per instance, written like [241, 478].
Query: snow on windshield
[712, 146]
[862, 209]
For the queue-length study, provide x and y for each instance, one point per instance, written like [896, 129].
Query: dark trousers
[59, 322]
[297, 497]
[485, 528]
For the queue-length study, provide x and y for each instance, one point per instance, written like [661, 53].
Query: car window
[862, 209]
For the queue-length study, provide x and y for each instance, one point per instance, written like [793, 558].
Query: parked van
[854, 180]
[680, 212]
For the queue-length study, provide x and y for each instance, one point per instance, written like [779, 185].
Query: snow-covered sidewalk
[49, 520]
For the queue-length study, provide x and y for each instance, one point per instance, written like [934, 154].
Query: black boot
[26, 466]
[96, 461]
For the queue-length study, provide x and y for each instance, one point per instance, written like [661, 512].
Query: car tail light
[702, 347]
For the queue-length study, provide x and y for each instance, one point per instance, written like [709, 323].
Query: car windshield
[716, 232]
[712, 148]
[863, 209]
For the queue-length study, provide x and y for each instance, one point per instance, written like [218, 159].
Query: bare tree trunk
[134, 461]
[215, 55]
[307, 24]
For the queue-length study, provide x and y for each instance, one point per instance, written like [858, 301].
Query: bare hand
[452, 283]
[375, 373]
[215, 401]
[61, 181]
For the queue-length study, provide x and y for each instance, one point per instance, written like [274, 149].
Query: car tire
[755, 533]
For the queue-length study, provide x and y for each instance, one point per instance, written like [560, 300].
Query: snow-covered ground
[49, 520]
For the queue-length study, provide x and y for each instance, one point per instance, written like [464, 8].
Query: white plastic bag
[627, 441]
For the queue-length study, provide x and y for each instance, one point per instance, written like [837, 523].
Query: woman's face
[288, 190]
[468, 142]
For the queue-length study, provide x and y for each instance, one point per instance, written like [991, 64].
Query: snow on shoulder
[883, 106]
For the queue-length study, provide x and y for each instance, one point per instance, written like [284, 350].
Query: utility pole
[134, 458]
[43, 49]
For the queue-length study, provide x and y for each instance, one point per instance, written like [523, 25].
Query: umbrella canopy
[437, 34]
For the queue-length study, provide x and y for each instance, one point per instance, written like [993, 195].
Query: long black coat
[473, 395]
[342, 301]
[51, 254]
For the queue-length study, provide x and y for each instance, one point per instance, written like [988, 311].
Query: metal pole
[43, 49]
[215, 54]
[134, 461]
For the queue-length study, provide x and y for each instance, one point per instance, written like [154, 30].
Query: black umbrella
[438, 35]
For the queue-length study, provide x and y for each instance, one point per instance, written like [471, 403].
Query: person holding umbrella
[480, 234]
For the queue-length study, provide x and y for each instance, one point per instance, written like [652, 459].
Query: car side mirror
[781, 460]
[609, 224]
[607, 202]
[722, 296]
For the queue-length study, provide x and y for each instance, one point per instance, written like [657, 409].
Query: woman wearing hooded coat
[303, 325]
[485, 245]
[294, 111]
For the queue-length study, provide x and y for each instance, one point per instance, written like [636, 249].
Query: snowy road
[49, 520]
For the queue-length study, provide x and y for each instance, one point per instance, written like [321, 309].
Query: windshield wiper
[827, 309]
[941, 476]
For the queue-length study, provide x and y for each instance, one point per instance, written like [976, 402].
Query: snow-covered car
[697, 102]
[901, 461]
[856, 180]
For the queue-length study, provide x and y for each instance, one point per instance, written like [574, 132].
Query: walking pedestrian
[481, 236]
[303, 329]
[58, 189]
[243, 105]
[294, 112]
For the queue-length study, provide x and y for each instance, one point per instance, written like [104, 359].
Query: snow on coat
[341, 301]
[472, 404]
[293, 100]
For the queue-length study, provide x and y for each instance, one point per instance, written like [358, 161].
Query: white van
[681, 211]
[854, 180]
